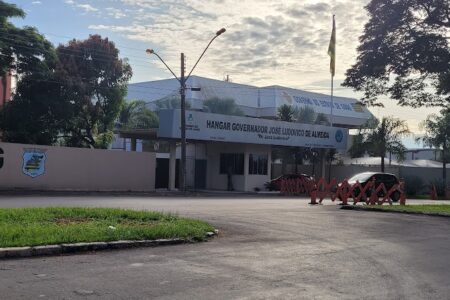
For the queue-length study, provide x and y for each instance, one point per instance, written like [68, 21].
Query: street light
[182, 80]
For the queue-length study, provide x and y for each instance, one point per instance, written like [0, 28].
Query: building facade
[223, 148]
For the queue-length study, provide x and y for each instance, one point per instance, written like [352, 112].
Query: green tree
[170, 102]
[136, 115]
[306, 115]
[222, 106]
[95, 83]
[381, 139]
[286, 113]
[22, 49]
[404, 53]
[437, 134]
[36, 115]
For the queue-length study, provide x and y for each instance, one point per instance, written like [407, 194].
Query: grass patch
[55, 225]
[428, 208]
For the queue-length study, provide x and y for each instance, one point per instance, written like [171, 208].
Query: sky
[267, 42]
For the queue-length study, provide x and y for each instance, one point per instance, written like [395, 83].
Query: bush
[413, 185]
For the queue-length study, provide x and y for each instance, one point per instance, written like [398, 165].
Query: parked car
[389, 180]
[275, 184]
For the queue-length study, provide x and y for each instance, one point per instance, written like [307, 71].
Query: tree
[222, 106]
[437, 134]
[74, 100]
[172, 101]
[404, 53]
[383, 138]
[136, 115]
[321, 119]
[286, 113]
[22, 49]
[37, 114]
[306, 115]
[95, 82]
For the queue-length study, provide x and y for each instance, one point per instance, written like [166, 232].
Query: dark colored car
[389, 180]
[275, 184]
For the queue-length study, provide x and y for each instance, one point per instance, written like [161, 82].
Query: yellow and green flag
[332, 49]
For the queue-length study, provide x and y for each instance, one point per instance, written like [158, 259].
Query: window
[1, 158]
[257, 164]
[235, 161]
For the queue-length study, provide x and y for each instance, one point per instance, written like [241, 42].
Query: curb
[363, 208]
[49, 250]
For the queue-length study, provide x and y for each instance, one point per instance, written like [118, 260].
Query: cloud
[115, 13]
[264, 39]
[36, 2]
[84, 6]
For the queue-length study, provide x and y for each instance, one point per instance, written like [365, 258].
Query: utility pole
[183, 126]
[182, 80]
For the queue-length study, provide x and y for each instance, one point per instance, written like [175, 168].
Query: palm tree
[306, 115]
[136, 115]
[222, 106]
[437, 134]
[286, 113]
[383, 138]
[321, 119]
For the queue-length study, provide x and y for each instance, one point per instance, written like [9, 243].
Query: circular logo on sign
[339, 136]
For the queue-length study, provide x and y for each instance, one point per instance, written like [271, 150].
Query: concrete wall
[79, 169]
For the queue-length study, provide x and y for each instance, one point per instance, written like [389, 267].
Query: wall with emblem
[37, 167]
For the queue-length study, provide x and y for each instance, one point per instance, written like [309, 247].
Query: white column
[172, 165]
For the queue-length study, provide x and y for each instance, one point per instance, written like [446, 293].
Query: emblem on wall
[33, 162]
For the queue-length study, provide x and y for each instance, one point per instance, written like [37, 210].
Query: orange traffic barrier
[345, 191]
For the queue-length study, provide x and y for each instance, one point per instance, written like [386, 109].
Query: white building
[219, 144]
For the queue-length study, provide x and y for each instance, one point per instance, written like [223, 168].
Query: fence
[369, 193]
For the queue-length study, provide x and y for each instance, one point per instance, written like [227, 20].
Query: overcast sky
[266, 43]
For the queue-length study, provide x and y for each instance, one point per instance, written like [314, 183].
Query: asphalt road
[268, 248]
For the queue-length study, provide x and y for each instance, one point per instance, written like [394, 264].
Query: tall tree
[22, 49]
[37, 114]
[95, 82]
[32, 116]
[384, 138]
[404, 53]
[437, 134]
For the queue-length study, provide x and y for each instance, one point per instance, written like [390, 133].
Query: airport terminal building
[222, 144]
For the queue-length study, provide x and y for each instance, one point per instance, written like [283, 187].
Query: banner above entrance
[233, 129]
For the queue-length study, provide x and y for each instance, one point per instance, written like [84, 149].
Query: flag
[332, 50]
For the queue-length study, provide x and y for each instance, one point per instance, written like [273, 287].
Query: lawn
[432, 208]
[46, 226]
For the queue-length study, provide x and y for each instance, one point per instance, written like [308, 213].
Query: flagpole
[332, 104]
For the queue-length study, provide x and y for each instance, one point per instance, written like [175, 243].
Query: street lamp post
[182, 80]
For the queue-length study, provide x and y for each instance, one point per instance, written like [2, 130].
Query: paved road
[269, 248]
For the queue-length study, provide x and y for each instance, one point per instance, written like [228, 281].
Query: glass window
[257, 164]
[232, 161]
